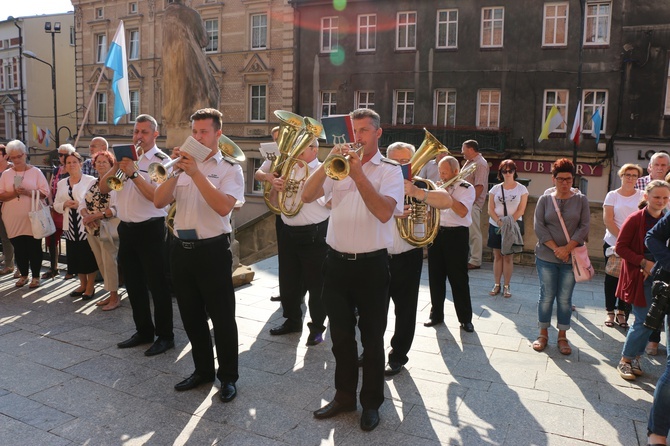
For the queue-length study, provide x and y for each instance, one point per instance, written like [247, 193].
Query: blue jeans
[557, 281]
[659, 417]
[638, 334]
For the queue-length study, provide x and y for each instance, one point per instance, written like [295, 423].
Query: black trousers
[404, 290]
[363, 284]
[448, 259]
[202, 279]
[28, 254]
[141, 253]
[303, 251]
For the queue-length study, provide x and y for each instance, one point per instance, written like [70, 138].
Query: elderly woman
[618, 205]
[507, 198]
[7, 248]
[553, 251]
[16, 186]
[80, 258]
[97, 211]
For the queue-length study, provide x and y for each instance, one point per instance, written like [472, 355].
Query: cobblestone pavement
[63, 381]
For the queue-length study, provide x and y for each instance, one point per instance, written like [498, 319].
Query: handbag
[519, 223]
[581, 263]
[613, 265]
[41, 222]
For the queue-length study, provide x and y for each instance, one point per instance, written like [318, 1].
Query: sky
[24, 8]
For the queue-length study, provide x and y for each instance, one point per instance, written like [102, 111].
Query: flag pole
[88, 108]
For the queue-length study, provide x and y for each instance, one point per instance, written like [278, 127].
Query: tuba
[288, 201]
[420, 227]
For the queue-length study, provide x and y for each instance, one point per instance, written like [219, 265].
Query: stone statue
[188, 85]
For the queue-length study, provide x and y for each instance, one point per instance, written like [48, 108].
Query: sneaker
[635, 367]
[625, 370]
[314, 339]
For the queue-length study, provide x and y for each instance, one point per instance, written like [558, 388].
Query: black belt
[194, 244]
[358, 255]
[145, 222]
[411, 251]
[452, 228]
[306, 227]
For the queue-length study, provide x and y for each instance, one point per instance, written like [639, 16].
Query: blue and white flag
[597, 121]
[116, 60]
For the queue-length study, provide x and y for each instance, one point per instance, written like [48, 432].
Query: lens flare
[337, 57]
[339, 5]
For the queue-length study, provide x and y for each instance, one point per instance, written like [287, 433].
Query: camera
[660, 303]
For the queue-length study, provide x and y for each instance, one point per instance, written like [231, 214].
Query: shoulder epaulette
[464, 184]
[390, 161]
[161, 156]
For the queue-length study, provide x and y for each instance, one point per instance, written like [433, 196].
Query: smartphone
[17, 181]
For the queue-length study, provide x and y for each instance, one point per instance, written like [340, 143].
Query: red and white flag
[577, 124]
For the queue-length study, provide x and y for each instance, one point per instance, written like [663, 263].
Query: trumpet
[116, 182]
[158, 172]
[336, 166]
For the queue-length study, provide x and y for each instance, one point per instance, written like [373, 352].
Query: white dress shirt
[464, 193]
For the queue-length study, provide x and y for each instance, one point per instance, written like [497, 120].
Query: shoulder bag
[519, 223]
[581, 263]
[40, 217]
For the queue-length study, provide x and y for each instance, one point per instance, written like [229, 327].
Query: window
[134, 44]
[212, 28]
[367, 32]
[592, 100]
[258, 101]
[445, 108]
[99, 13]
[10, 124]
[406, 31]
[256, 186]
[100, 48]
[2, 75]
[488, 109]
[329, 34]
[101, 108]
[72, 36]
[328, 103]
[132, 8]
[259, 31]
[555, 30]
[14, 83]
[559, 98]
[597, 26]
[365, 99]
[447, 29]
[134, 105]
[667, 93]
[404, 107]
[492, 27]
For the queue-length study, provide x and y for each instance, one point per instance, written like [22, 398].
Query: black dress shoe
[333, 408]
[228, 392]
[392, 368]
[86, 296]
[285, 328]
[76, 293]
[192, 382]
[160, 346]
[135, 340]
[468, 327]
[369, 419]
[275, 298]
[431, 322]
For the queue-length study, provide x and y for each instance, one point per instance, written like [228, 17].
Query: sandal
[610, 322]
[565, 349]
[540, 343]
[49, 274]
[495, 290]
[506, 291]
[22, 281]
[5, 271]
[35, 283]
[621, 321]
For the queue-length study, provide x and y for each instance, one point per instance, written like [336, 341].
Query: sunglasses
[508, 171]
[563, 180]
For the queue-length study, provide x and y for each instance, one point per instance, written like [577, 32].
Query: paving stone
[26, 378]
[31, 412]
[16, 433]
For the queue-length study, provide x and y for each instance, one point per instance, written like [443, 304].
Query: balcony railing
[489, 140]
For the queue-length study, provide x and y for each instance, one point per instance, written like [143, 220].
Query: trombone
[470, 169]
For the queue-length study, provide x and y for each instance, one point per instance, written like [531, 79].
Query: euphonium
[289, 129]
[459, 176]
[288, 201]
[420, 227]
[336, 166]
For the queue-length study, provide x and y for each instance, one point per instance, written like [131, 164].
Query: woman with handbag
[553, 252]
[635, 279]
[507, 198]
[80, 258]
[16, 187]
[618, 205]
[99, 218]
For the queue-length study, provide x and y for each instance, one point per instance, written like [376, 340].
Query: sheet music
[195, 149]
[269, 149]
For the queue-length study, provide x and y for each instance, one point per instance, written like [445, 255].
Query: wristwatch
[134, 175]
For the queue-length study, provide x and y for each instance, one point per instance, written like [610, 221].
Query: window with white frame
[256, 186]
[258, 101]
[101, 108]
[212, 29]
[365, 99]
[2, 75]
[134, 105]
[367, 32]
[667, 93]
[100, 48]
[132, 8]
[13, 74]
[447, 28]
[555, 29]
[259, 31]
[444, 112]
[559, 98]
[493, 21]
[10, 124]
[328, 103]
[133, 44]
[597, 23]
[329, 34]
[406, 31]
[72, 36]
[488, 109]
[99, 13]
[591, 101]
[404, 107]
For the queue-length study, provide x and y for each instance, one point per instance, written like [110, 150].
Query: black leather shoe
[192, 382]
[76, 293]
[369, 419]
[333, 408]
[275, 298]
[228, 392]
[392, 368]
[431, 322]
[135, 340]
[285, 328]
[160, 346]
[468, 327]
[314, 339]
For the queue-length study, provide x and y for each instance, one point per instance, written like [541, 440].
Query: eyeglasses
[61, 154]
[508, 171]
[630, 176]
[563, 179]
